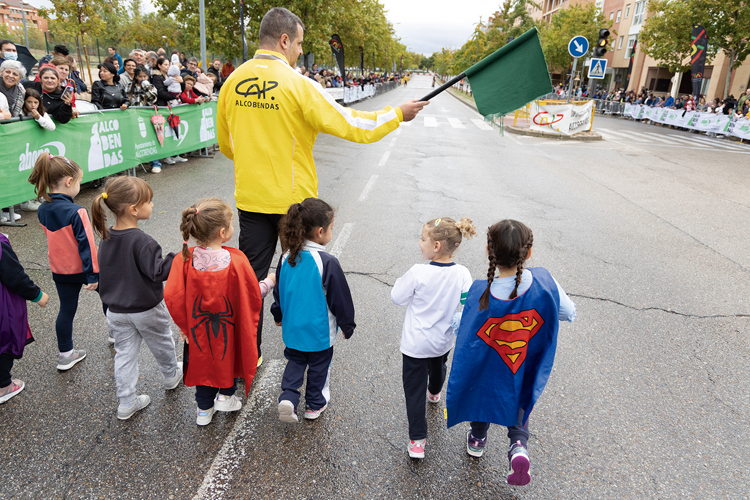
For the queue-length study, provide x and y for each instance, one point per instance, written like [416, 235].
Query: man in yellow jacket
[268, 119]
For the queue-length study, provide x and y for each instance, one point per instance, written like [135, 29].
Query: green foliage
[584, 20]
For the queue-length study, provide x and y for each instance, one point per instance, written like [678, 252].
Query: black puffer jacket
[53, 104]
[108, 96]
[163, 96]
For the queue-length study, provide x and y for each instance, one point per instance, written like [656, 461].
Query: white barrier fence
[694, 120]
[358, 93]
[561, 118]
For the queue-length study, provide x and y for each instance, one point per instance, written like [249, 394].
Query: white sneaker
[168, 160]
[205, 416]
[179, 159]
[227, 403]
[6, 216]
[155, 170]
[287, 412]
[31, 205]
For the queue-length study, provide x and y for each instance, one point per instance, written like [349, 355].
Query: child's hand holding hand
[272, 277]
[184, 337]
[43, 301]
[91, 286]
[278, 323]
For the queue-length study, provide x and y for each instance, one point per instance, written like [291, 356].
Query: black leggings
[68, 295]
[6, 364]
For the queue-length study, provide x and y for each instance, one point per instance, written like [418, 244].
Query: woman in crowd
[161, 80]
[183, 59]
[11, 74]
[126, 77]
[227, 69]
[57, 103]
[108, 92]
[215, 69]
[75, 76]
[204, 86]
[114, 62]
[62, 64]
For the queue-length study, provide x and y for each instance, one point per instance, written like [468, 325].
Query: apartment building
[10, 15]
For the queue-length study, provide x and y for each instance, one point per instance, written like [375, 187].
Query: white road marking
[384, 158]
[393, 142]
[398, 131]
[406, 124]
[219, 475]
[338, 246]
[368, 187]
[430, 121]
[456, 123]
[481, 124]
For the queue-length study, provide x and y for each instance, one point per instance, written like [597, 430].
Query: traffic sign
[578, 46]
[597, 68]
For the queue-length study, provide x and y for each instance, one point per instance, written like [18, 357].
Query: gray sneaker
[173, 382]
[67, 362]
[124, 413]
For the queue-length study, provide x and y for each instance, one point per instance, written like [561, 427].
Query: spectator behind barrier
[188, 96]
[75, 76]
[11, 74]
[227, 69]
[162, 81]
[112, 51]
[203, 85]
[126, 76]
[34, 107]
[215, 70]
[57, 104]
[63, 69]
[59, 50]
[8, 51]
[113, 62]
[141, 92]
[108, 92]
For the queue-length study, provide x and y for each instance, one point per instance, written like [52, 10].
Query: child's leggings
[515, 432]
[420, 375]
[6, 364]
[129, 330]
[68, 295]
[205, 395]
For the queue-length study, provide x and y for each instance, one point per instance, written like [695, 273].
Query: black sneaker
[474, 446]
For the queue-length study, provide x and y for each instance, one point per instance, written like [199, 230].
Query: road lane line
[430, 121]
[384, 158]
[456, 123]
[654, 137]
[393, 142]
[398, 131]
[481, 124]
[368, 187]
[338, 246]
[219, 475]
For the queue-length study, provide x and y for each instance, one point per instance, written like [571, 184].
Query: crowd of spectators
[327, 79]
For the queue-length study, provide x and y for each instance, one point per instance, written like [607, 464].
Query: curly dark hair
[299, 223]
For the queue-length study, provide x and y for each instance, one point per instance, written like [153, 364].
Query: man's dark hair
[61, 49]
[112, 47]
[3, 42]
[275, 23]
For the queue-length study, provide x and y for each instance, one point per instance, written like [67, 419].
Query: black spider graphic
[213, 322]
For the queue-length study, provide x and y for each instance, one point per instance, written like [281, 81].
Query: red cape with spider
[218, 312]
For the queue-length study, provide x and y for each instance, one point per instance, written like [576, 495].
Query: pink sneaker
[416, 448]
[15, 387]
[519, 473]
[433, 398]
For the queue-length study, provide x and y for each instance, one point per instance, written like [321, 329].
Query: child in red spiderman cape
[215, 299]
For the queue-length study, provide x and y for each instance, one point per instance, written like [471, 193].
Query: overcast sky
[425, 26]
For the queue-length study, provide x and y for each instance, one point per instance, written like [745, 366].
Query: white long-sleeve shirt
[432, 293]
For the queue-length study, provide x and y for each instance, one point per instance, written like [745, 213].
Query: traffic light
[601, 44]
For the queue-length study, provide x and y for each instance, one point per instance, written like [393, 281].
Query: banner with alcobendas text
[101, 143]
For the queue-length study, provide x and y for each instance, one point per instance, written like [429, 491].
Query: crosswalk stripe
[624, 135]
[481, 124]
[714, 142]
[456, 123]
[652, 138]
[430, 121]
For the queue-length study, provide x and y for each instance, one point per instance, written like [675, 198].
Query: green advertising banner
[101, 143]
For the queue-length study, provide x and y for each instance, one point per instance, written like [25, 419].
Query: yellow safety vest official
[269, 116]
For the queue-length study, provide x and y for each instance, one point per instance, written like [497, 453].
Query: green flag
[510, 77]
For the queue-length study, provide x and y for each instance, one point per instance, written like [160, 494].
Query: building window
[627, 11]
[631, 42]
[611, 15]
[639, 11]
[619, 13]
[619, 45]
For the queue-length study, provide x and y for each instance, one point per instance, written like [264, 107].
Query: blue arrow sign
[578, 46]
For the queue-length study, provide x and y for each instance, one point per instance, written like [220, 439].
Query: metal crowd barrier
[605, 107]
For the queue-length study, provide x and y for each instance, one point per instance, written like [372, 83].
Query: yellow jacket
[268, 119]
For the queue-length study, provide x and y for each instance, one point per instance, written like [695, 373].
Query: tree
[584, 20]
[666, 35]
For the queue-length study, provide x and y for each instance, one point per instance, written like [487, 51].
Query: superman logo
[510, 335]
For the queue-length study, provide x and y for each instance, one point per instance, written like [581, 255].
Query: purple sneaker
[518, 473]
[474, 446]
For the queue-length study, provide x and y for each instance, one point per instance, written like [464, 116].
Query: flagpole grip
[443, 87]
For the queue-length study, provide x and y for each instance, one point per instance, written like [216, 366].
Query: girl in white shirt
[33, 106]
[432, 293]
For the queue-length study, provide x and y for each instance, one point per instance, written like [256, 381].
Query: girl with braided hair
[506, 345]
[215, 299]
[432, 293]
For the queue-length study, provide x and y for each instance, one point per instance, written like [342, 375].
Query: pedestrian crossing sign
[597, 68]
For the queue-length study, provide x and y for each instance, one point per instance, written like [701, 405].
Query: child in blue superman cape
[506, 346]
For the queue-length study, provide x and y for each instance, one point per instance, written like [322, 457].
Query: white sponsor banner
[705, 122]
[566, 119]
[351, 94]
[739, 128]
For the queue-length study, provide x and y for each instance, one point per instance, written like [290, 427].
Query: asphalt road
[648, 398]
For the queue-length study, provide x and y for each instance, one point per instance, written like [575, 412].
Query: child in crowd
[141, 92]
[132, 273]
[506, 345]
[15, 289]
[188, 96]
[215, 299]
[312, 301]
[432, 293]
[174, 74]
[70, 241]
[33, 106]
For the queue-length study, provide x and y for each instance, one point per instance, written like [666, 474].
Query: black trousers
[6, 364]
[317, 364]
[258, 236]
[205, 395]
[515, 432]
[420, 375]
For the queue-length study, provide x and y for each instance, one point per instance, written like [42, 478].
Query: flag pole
[443, 87]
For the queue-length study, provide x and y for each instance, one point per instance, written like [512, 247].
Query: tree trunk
[729, 75]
